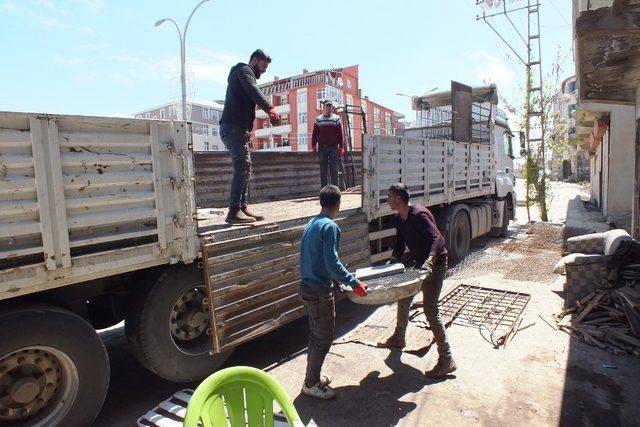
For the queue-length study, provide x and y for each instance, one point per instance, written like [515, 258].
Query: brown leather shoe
[236, 216]
[444, 367]
[247, 212]
[394, 341]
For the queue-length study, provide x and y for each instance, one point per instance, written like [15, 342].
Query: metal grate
[492, 310]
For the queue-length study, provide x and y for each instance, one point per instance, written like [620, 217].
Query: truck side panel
[437, 171]
[82, 197]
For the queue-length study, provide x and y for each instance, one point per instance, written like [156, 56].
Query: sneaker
[394, 341]
[445, 366]
[245, 210]
[236, 216]
[319, 391]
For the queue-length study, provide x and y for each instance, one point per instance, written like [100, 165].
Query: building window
[147, 115]
[285, 141]
[302, 97]
[284, 100]
[302, 140]
[206, 146]
[376, 129]
[214, 130]
[302, 118]
[329, 93]
[155, 117]
[264, 125]
[285, 120]
[348, 84]
[162, 113]
[172, 112]
[364, 107]
[205, 129]
[205, 113]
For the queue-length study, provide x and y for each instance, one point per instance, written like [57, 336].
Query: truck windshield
[508, 148]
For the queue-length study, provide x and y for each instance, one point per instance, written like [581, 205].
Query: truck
[104, 220]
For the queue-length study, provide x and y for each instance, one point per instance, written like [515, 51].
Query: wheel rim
[189, 322]
[38, 386]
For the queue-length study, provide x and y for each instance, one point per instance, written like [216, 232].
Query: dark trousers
[329, 161]
[431, 289]
[239, 145]
[321, 310]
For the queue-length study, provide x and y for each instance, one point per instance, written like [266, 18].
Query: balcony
[280, 109]
[274, 130]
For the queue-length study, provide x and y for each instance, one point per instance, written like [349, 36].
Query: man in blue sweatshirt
[319, 267]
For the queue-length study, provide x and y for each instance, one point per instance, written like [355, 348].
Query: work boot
[445, 366]
[394, 341]
[236, 216]
[319, 391]
[245, 210]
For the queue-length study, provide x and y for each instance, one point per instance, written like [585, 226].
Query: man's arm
[248, 82]
[427, 227]
[331, 260]
[314, 135]
[339, 133]
[398, 249]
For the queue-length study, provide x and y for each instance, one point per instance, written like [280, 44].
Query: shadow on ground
[134, 390]
[375, 397]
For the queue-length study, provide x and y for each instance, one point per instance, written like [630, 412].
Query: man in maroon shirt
[416, 229]
[326, 140]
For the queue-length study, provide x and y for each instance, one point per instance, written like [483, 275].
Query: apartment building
[205, 118]
[298, 100]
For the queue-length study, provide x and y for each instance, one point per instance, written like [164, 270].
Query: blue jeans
[238, 143]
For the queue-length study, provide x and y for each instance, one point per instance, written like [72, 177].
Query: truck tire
[459, 236]
[54, 369]
[168, 328]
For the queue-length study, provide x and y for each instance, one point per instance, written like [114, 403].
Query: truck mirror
[523, 144]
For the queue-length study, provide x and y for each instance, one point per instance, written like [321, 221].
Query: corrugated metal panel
[275, 176]
[254, 279]
[436, 171]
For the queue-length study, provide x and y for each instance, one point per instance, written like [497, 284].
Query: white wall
[621, 169]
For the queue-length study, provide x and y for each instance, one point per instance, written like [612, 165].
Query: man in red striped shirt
[326, 140]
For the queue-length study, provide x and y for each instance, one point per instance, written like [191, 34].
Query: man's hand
[248, 135]
[431, 260]
[274, 118]
[314, 148]
[360, 290]
[340, 151]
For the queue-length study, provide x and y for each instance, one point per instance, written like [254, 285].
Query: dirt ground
[542, 377]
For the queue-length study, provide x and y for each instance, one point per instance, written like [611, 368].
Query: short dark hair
[401, 190]
[259, 54]
[330, 196]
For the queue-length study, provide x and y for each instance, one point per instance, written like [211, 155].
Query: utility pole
[532, 60]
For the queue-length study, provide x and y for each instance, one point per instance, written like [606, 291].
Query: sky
[105, 57]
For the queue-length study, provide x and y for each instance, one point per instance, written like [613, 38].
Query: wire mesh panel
[491, 309]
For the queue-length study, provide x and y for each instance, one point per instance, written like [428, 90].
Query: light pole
[183, 37]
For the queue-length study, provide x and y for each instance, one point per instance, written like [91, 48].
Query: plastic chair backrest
[239, 392]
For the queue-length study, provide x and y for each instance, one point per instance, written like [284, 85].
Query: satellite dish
[340, 81]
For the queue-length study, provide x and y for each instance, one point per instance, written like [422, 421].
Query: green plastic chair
[227, 389]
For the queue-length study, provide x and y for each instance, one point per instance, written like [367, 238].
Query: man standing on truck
[235, 126]
[326, 140]
[319, 267]
[416, 228]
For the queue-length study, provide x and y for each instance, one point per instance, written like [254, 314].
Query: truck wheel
[54, 369]
[168, 329]
[459, 237]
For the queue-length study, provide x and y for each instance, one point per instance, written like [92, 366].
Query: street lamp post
[183, 37]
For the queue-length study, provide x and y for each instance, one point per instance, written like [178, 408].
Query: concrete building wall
[621, 168]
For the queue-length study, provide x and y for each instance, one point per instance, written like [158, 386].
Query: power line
[559, 14]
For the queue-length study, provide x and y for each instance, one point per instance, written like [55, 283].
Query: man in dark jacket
[237, 121]
[326, 140]
[416, 229]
